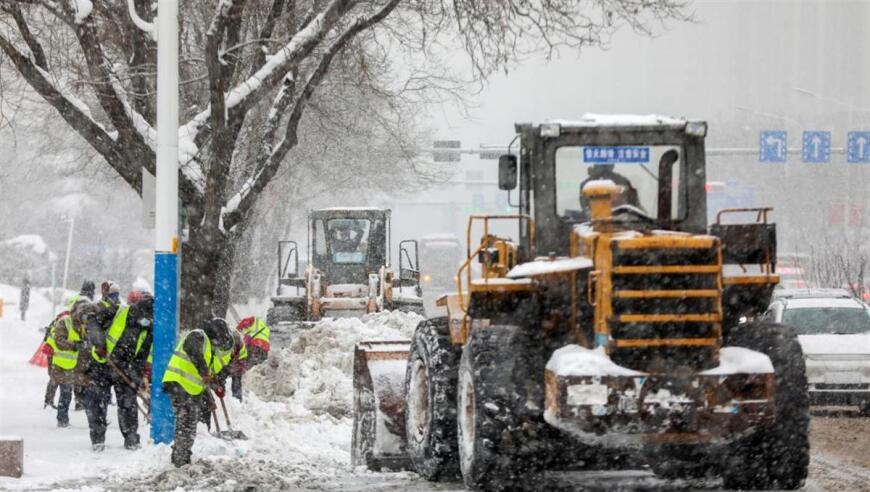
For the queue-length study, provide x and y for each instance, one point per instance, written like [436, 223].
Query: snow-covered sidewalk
[297, 412]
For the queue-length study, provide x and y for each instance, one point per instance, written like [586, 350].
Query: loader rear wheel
[502, 434]
[777, 455]
[430, 386]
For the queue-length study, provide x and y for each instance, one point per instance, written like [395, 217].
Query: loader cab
[658, 164]
[349, 244]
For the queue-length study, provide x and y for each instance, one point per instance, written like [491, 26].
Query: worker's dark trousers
[79, 392]
[236, 386]
[96, 401]
[187, 409]
[66, 391]
[128, 411]
[50, 390]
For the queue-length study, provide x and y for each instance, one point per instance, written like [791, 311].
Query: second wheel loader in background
[613, 321]
[348, 269]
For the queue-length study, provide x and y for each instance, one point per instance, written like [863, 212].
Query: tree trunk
[206, 272]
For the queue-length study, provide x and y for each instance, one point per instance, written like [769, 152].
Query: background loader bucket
[379, 405]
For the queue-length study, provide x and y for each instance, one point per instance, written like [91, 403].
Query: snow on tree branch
[276, 66]
[270, 158]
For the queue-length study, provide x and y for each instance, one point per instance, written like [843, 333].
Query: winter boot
[131, 443]
[98, 447]
[62, 424]
[180, 458]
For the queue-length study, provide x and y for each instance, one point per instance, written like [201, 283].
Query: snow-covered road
[297, 412]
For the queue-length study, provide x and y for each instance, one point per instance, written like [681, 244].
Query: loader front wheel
[430, 416]
[777, 455]
[502, 437]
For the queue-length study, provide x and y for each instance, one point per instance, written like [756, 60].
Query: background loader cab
[348, 271]
[610, 322]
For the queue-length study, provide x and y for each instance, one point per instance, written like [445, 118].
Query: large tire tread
[776, 456]
[511, 439]
[436, 456]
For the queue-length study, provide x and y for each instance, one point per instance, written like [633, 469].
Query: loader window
[635, 169]
[348, 239]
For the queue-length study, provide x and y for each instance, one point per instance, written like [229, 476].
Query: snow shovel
[235, 434]
[225, 435]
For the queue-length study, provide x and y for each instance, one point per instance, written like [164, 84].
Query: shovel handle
[226, 414]
[211, 405]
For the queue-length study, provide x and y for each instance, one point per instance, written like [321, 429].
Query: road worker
[192, 370]
[257, 335]
[118, 362]
[68, 360]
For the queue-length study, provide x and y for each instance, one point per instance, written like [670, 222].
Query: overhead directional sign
[773, 146]
[491, 155]
[858, 147]
[616, 155]
[450, 152]
[816, 147]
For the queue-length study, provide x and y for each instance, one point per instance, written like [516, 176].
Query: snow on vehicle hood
[840, 345]
[574, 360]
[546, 266]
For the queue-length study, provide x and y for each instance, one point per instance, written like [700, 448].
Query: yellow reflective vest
[182, 370]
[119, 322]
[64, 359]
[258, 335]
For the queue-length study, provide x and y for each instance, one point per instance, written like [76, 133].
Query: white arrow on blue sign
[773, 146]
[858, 147]
[816, 147]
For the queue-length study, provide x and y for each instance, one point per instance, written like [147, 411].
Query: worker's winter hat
[219, 333]
[82, 310]
[88, 289]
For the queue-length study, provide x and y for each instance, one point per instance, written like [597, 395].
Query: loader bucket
[379, 405]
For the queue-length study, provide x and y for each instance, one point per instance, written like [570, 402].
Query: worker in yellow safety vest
[85, 293]
[118, 359]
[67, 339]
[257, 338]
[193, 369]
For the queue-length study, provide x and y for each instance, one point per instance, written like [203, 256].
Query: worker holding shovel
[118, 361]
[192, 370]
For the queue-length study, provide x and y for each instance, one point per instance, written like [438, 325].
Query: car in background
[834, 331]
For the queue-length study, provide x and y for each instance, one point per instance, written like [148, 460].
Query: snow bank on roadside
[314, 374]
[297, 413]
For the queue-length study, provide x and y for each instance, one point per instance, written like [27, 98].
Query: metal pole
[53, 288]
[166, 220]
[69, 236]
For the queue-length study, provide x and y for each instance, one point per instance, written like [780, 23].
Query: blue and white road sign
[616, 155]
[858, 147]
[773, 146]
[816, 147]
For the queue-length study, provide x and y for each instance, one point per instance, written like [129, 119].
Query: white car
[834, 331]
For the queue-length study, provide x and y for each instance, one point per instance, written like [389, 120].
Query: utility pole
[166, 241]
[69, 239]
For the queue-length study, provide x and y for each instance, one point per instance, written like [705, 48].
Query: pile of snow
[38, 311]
[32, 242]
[296, 411]
[315, 371]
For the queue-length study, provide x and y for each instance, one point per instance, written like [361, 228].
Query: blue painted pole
[165, 217]
[165, 322]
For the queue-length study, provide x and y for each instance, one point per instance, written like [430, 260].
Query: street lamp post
[166, 211]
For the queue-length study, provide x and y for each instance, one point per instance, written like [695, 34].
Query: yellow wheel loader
[348, 270]
[616, 320]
